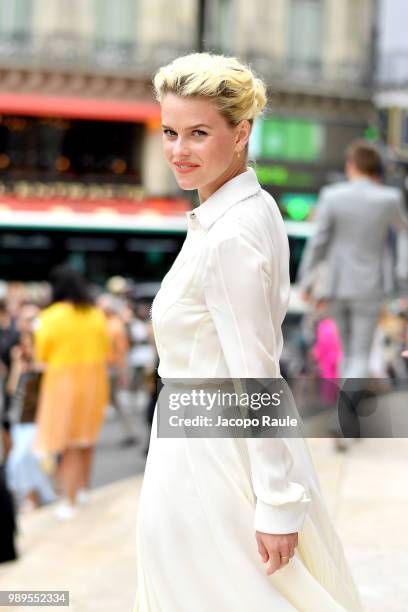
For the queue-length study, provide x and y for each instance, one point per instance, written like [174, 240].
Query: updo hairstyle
[236, 91]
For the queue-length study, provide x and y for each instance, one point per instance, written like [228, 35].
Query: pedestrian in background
[353, 220]
[9, 336]
[327, 350]
[142, 357]
[25, 475]
[16, 318]
[73, 344]
[117, 362]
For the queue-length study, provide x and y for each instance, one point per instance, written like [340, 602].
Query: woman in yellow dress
[72, 343]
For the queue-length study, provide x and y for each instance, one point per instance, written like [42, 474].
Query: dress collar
[233, 191]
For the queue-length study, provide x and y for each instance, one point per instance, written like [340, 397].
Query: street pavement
[94, 555]
[114, 459]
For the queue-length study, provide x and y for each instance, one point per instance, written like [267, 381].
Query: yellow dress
[73, 344]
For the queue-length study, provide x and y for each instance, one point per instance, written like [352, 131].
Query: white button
[192, 215]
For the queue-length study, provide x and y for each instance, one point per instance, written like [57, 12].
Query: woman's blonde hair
[237, 92]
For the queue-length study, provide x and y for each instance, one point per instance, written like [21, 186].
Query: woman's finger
[262, 551]
[291, 550]
[285, 555]
[274, 562]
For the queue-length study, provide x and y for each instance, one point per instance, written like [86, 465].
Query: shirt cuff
[285, 518]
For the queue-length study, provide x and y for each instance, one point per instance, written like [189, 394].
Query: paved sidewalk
[367, 493]
[94, 555]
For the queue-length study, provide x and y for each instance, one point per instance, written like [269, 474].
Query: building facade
[391, 90]
[79, 122]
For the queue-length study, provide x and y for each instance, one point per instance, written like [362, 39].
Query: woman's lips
[185, 168]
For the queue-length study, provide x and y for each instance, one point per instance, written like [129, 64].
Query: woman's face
[200, 147]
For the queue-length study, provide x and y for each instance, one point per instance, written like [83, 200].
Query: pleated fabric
[196, 547]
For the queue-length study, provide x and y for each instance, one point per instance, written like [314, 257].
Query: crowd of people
[356, 258]
[315, 346]
[66, 353]
[354, 277]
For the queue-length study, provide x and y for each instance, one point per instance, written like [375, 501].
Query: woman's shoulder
[91, 312]
[66, 310]
[256, 220]
[52, 311]
[50, 319]
[260, 208]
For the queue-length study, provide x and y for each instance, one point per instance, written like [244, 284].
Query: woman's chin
[186, 183]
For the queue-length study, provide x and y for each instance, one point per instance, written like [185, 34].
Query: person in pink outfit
[328, 353]
[327, 350]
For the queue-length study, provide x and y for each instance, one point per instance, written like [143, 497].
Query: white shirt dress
[218, 314]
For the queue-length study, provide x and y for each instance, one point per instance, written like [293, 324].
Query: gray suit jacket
[353, 220]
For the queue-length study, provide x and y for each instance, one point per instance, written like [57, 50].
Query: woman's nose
[180, 147]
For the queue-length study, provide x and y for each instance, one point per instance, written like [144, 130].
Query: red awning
[78, 108]
[162, 206]
[162, 214]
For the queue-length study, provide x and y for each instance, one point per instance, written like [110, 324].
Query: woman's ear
[243, 134]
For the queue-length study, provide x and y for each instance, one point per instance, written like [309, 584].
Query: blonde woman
[216, 531]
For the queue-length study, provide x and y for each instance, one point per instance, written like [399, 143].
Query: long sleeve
[316, 249]
[239, 295]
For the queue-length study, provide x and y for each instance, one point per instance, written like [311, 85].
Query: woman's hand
[277, 549]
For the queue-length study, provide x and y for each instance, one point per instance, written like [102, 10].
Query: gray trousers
[356, 321]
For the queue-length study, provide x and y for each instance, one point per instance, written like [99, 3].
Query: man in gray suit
[353, 220]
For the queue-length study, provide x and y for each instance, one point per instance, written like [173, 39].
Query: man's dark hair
[366, 157]
[69, 286]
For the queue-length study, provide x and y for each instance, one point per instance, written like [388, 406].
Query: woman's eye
[171, 133]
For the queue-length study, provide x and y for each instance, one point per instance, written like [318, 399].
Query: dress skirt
[72, 406]
[196, 542]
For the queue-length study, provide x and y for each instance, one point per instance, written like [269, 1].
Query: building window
[218, 25]
[15, 26]
[115, 30]
[224, 22]
[305, 36]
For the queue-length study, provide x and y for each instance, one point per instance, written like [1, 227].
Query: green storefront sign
[289, 139]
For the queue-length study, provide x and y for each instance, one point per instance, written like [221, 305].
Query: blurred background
[83, 182]
[82, 178]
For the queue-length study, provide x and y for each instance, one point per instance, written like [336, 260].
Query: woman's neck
[206, 191]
